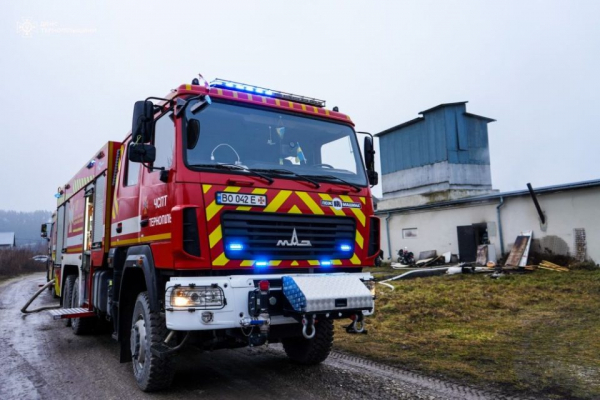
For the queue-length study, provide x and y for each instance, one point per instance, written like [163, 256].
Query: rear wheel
[151, 372]
[80, 325]
[67, 293]
[311, 351]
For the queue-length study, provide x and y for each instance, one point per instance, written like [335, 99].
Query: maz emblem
[294, 241]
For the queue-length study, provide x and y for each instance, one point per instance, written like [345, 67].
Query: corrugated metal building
[437, 194]
[441, 155]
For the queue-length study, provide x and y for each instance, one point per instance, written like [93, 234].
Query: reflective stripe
[359, 239]
[215, 236]
[278, 201]
[310, 203]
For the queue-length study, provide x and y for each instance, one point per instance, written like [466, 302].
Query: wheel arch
[138, 275]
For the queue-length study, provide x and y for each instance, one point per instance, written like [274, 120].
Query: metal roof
[402, 125]
[479, 117]
[422, 118]
[456, 103]
[7, 238]
[496, 196]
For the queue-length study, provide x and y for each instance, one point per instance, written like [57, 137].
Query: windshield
[271, 140]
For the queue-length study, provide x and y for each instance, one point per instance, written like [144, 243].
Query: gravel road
[40, 358]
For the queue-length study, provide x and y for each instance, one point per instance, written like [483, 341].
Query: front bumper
[235, 308]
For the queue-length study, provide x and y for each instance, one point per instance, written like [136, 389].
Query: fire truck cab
[231, 215]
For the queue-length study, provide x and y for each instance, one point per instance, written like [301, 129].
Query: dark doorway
[469, 237]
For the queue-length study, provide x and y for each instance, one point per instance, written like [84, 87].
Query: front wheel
[151, 372]
[311, 351]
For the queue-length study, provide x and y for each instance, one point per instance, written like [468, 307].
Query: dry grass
[535, 333]
[15, 262]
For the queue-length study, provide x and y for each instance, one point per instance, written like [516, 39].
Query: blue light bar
[345, 248]
[222, 83]
[326, 263]
[261, 263]
[234, 246]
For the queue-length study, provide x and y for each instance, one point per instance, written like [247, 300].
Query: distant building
[7, 240]
[442, 155]
[437, 195]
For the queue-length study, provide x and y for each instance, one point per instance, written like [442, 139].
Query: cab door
[125, 222]
[155, 198]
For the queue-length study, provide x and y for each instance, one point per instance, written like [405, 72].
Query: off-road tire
[311, 351]
[80, 326]
[154, 373]
[67, 293]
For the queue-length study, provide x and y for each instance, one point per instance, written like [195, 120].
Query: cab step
[62, 313]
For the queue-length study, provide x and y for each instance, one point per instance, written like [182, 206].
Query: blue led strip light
[242, 87]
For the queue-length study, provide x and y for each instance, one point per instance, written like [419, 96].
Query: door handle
[119, 227]
[144, 222]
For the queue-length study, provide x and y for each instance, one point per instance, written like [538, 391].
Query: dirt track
[40, 358]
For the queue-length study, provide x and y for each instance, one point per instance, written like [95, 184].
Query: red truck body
[126, 229]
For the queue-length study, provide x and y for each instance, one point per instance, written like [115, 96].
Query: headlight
[202, 297]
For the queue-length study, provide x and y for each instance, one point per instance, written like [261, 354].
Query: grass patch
[535, 333]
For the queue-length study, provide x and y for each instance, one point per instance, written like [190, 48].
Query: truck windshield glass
[270, 140]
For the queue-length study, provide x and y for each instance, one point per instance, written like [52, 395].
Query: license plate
[239, 199]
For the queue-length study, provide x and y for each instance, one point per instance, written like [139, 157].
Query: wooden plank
[516, 253]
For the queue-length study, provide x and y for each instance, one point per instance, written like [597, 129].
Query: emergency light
[225, 84]
[235, 246]
[345, 247]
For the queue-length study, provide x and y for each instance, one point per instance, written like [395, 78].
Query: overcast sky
[71, 71]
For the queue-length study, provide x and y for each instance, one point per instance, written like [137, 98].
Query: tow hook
[357, 325]
[308, 323]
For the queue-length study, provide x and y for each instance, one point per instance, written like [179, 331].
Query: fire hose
[24, 310]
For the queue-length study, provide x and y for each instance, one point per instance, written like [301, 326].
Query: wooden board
[525, 256]
[516, 253]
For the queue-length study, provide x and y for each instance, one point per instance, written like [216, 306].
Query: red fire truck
[231, 215]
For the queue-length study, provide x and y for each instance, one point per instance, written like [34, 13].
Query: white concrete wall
[436, 228]
[435, 177]
[565, 211]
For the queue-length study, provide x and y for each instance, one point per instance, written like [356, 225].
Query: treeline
[25, 225]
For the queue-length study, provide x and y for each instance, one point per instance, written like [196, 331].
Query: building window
[410, 233]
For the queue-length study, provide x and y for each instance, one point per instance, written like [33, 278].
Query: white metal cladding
[60, 225]
[99, 200]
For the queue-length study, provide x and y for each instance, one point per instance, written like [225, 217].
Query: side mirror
[44, 231]
[143, 121]
[142, 153]
[373, 177]
[369, 151]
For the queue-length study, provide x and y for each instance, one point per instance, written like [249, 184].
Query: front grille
[260, 233]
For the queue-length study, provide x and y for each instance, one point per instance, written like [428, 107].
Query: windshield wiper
[235, 167]
[345, 182]
[282, 171]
